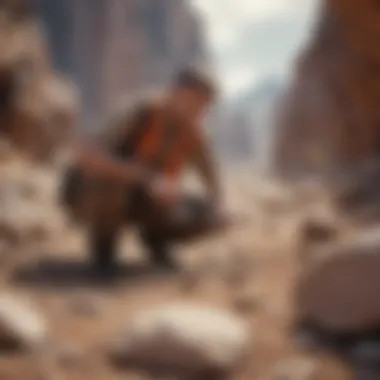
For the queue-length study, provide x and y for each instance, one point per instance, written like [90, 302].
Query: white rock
[182, 339]
[20, 324]
[28, 206]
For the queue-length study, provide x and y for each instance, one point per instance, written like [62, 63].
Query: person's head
[192, 93]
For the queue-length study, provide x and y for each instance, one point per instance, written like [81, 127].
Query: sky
[252, 40]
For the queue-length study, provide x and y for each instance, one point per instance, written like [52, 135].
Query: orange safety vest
[166, 148]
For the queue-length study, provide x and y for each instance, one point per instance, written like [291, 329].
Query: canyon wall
[113, 48]
[330, 117]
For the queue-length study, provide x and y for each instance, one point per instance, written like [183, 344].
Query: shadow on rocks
[61, 274]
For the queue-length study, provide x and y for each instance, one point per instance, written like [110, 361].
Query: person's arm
[108, 156]
[205, 166]
[95, 162]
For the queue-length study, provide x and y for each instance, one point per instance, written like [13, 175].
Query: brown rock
[70, 355]
[39, 108]
[86, 306]
[339, 289]
[247, 300]
[314, 233]
[316, 230]
[240, 267]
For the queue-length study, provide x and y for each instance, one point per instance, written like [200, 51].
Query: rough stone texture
[28, 205]
[182, 339]
[330, 116]
[20, 325]
[339, 289]
[357, 195]
[39, 108]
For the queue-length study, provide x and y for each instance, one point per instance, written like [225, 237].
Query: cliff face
[331, 115]
[114, 47]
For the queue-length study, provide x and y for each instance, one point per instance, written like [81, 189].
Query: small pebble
[86, 306]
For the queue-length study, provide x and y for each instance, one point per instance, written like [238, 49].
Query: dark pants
[192, 218]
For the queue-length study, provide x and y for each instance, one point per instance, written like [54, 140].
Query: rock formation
[330, 118]
[38, 108]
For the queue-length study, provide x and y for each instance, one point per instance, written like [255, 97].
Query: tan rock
[24, 193]
[339, 289]
[20, 324]
[247, 300]
[40, 108]
[183, 339]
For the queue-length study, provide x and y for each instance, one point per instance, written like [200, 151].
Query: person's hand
[163, 192]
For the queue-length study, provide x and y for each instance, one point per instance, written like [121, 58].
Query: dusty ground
[55, 277]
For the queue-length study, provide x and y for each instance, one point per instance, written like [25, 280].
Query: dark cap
[198, 80]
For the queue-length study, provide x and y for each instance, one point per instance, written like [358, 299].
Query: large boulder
[183, 339]
[338, 290]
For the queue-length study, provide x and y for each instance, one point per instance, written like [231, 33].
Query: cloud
[240, 79]
[251, 40]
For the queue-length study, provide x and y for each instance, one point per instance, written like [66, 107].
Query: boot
[159, 251]
[103, 252]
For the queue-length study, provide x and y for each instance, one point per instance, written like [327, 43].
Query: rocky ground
[230, 310]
